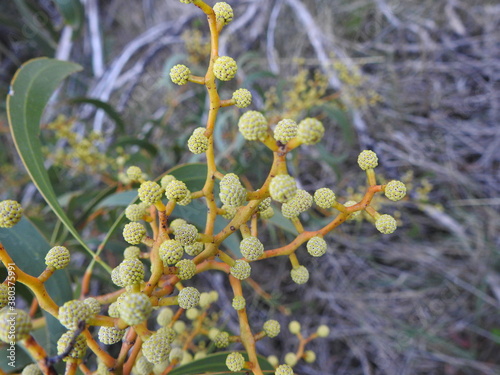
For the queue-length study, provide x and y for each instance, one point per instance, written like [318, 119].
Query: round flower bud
[205, 300]
[198, 142]
[4, 295]
[232, 193]
[235, 361]
[179, 327]
[316, 246]
[223, 12]
[136, 212]
[150, 192]
[290, 359]
[179, 74]
[186, 234]
[284, 370]
[251, 248]
[241, 270]
[300, 275]
[187, 199]
[282, 188]
[186, 358]
[18, 331]
[131, 252]
[73, 312]
[273, 360]
[221, 340]
[264, 205]
[169, 333]
[294, 327]
[355, 214]
[253, 125]
[10, 213]
[131, 271]
[192, 314]
[32, 369]
[285, 130]
[165, 180]
[225, 68]
[395, 190]
[171, 252]
[177, 223]
[186, 269]
[239, 303]
[134, 232]
[93, 305]
[386, 224]
[324, 197]
[300, 202]
[142, 365]
[214, 296]
[135, 308]
[175, 354]
[116, 278]
[230, 212]
[310, 131]
[57, 258]
[78, 346]
[110, 335]
[267, 213]
[309, 356]
[323, 331]
[189, 297]
[176, 191]
[242, 98]
[194, 249]
[156, 348]
[113, 311]
[212, 333]
[165, 316]
[367, 159]
[272, 328]
[134, 173]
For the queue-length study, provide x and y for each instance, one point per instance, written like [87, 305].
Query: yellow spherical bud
[310, 131]
[285, 130]
[10, 213]
[290, 359]
[294, 327]
[223, 12]
[78, 346]
[395, 190]
[242, 98]
[150, 192]
[134, 232]
[323, 331]
[235, 361]
[134, 173]
[198, 142]
[367, 159]
[179, 74]
[386, 224]
[282, 188]
[309, 356]
[225, 68]
[58, 257]
[253, 125]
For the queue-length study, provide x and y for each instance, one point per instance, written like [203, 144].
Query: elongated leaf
[72, 12]
[31, 88]
[28, 248]
[110, 111]
[216, 364]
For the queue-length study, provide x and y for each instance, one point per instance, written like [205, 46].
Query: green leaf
[110, 111]
[72, 12]
[282, 222]
[27, 248]
[216, 364]
[31, 88]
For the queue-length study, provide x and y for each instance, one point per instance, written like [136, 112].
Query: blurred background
[416, 81]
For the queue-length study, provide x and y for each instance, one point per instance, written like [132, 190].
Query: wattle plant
[158, 275]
